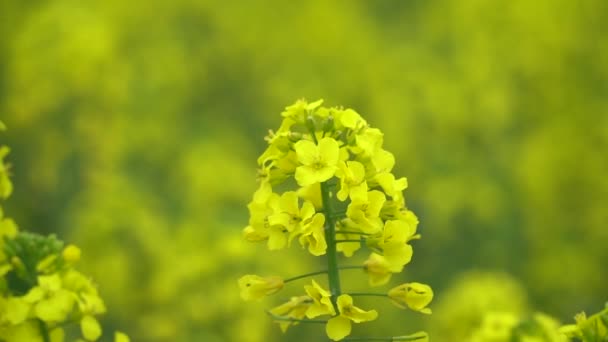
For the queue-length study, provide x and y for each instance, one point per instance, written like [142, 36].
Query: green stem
[304, 276]
[351, 232]
[367, 294]
[44, 331]
[333, 274]
[321, 272]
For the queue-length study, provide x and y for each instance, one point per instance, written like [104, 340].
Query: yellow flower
[71, 254]
[28, 331]
[313, 235]
[352, 181]
[91, 330]
[121, 337]
[349, 118]
[378, 270]
[318, 162]
[391, 186]
[369, 141]
[50, 302]
[495, 326]
[415, 296]
[6, 186]
[259, 210]
[289, 216]
[321, 298]
[256, 287]
[15, 310]
[339, 327]
[394, 245]
[295, 308]
[364, 213]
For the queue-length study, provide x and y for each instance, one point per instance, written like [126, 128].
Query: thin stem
[44, 331]
[290, 319]
[390, 339]
[304, 276]
[330, 237]
[320, 272]
[348, 240]
[368, 294]
[351, 232]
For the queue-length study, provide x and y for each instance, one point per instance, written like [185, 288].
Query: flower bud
[415, 296]
[256, 287]
[71, 254]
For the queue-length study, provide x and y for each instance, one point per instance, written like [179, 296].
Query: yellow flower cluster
[508, 327]
[339, 195]
[40, 290]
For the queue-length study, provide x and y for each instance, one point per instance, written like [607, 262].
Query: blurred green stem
[367, 294]
[44, 331]
[333, 273]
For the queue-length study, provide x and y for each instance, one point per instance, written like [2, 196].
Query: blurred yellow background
[135, 129]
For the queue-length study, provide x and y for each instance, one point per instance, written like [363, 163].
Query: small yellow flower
[50, 301]
[364, 212]
[415, 296]
[121, 337]
[295, 308]
[394, 245]
[256, 287]
[348, 118]
[318, 162]
[391, 186]
[71, 254]
[321, 298]
[378, 270]
[313, 235]
[339, 327]
[369, 142]
[91, 330]
[352, 181]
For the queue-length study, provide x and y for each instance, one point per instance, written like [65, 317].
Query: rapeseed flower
[319, 162]
[339, 327]
[345, 197]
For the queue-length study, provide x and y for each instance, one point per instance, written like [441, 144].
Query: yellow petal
[57, 335]
[329, 151]
[17, 310]
[306, 175]
[306, 151]
[338, 328]
[91, 330]
[121, 337]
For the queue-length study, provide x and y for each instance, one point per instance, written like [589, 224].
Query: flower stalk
[333, 273]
